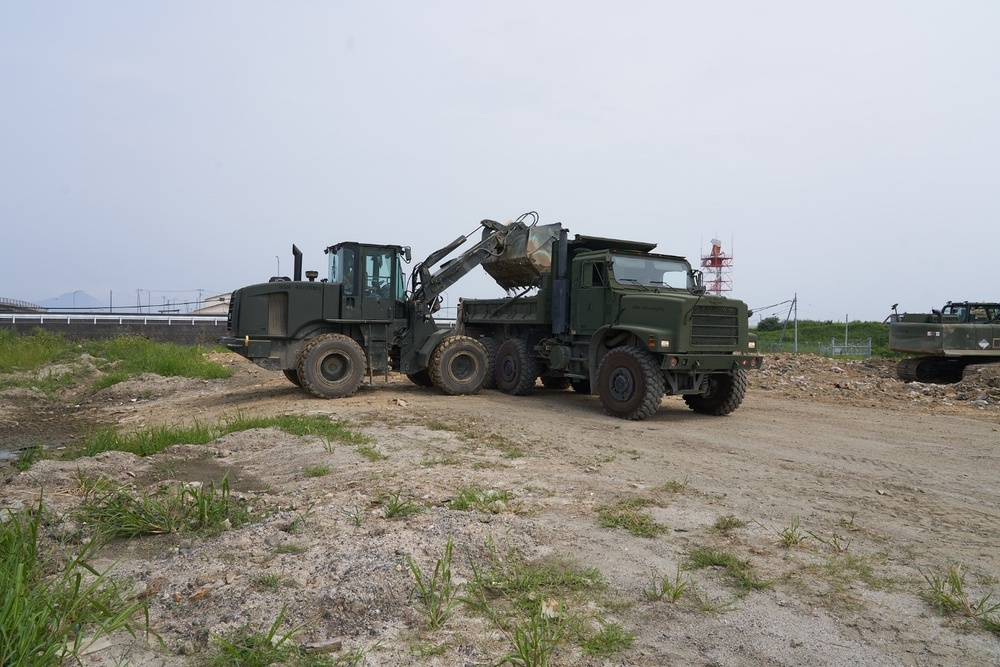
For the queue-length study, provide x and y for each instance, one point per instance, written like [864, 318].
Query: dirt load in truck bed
[807, 524]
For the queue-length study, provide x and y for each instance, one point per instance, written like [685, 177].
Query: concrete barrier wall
[182, 332]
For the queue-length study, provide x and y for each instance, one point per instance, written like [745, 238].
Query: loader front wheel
[516, 369]
[630, 383]
[331, 366]
[459, 365]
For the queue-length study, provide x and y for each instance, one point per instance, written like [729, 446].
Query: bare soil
[888, 482]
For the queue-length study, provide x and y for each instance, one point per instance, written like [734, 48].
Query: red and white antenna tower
[717, 266]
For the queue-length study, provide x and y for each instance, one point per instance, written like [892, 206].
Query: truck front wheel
[292, 376]
[516, 369]
[331, 366]
[725, 393]
[630, 383]
[459, 365]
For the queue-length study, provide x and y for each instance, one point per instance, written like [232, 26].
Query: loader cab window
[342, 269]
[378, 278]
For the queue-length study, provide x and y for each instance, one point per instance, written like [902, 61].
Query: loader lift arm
[427, 284]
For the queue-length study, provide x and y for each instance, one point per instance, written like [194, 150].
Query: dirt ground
[879, 483]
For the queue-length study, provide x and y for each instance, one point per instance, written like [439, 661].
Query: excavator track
[931, 370]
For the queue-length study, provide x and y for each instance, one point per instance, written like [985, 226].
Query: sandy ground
[887, 482]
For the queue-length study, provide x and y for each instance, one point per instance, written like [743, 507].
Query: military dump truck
[325, 335]
[947, 340]
[610, 317]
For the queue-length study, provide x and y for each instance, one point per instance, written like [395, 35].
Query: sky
[846, 154]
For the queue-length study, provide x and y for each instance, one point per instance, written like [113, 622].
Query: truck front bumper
[707, 363]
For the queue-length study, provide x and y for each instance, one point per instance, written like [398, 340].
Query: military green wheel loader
[363, 318]
[962, 333]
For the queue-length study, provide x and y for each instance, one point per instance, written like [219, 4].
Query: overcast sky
[847, 152]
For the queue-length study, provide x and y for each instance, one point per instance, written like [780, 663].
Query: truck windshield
[652, 272]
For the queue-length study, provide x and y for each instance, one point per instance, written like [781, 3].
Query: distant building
[214, 305]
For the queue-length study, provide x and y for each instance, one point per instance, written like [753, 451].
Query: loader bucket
[526, 256]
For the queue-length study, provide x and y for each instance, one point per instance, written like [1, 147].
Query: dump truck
[946, 341]
[362, 318]
[612, 318]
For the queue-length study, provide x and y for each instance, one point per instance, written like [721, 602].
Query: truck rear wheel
[492, 347]
[459, 365]
[516, 370]
[331, 366]
[725, 393]
[580, 386]
[630, 383]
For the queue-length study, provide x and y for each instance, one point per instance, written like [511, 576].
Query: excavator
[946, 341]
[365, 318]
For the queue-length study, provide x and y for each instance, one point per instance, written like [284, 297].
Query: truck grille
[715, 327]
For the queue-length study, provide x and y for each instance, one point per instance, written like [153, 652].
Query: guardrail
[97, 318]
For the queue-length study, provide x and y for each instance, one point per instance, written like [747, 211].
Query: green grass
[316, 470]
[477, 499]
[949, 594]
[394, 505]
[738, 571]
[629, 515]
[156, 438]
[115, 511]
[813, 333]
[248, 647]
[49, 609]
[118, 358]
[436, 593]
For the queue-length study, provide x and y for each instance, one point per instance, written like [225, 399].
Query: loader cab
[371, 279]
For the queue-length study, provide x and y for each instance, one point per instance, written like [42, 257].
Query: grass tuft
[629, 515]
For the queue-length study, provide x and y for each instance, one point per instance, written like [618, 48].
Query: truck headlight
[664, 344]
[752, 345]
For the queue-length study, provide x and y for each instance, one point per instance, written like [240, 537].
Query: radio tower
[717, 266]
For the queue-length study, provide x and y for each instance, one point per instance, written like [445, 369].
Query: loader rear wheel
[516, 369]
[492, 347]
[421, 378]
[725, 393]
[331, 366]
[459, 365]
[293, 376]
[630, 383]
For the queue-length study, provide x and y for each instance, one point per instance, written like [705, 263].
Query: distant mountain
[72, 300]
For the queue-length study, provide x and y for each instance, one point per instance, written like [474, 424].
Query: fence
[861, 350]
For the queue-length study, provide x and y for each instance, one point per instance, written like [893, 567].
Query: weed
[476, 498]
[370, 453]
[28, 457]
[316, 470]
[394, 505]
[439, 426]
[116, 512]
[51, 611]
[156, 438]
[436, 593]
[611, 638]
[290, 548]
[245, 647]
[948, 593]
[673, 486]
[791, 535]
[669, 589]
[628, 515]
[534, 640]
[739, 571]
[836, 541]
[440, 460]
[701, 601]
[270, 579]
[725, 524]
[354, 515]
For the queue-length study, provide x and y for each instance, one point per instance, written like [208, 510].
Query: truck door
[590, 299]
